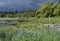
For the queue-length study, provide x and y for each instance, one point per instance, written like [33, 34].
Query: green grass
[34, 34]
[40, 20]
[37, 35]
[33, 30]
[51, 20]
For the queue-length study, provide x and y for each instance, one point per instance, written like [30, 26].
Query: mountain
[19, 5]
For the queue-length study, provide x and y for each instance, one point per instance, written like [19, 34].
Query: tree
[58, 0]
[45, 10]
[49, 9]
[57, 10]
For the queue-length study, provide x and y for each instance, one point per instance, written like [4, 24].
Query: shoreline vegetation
[31, 25]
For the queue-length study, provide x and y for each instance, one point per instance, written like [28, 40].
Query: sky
[21, 4]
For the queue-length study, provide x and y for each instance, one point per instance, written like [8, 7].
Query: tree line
[49, 9]
[46, 9]
[24, 13]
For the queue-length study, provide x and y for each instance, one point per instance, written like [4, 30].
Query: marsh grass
[30, 34]
[34, 30]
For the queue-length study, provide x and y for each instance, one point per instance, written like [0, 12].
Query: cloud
[2, 4]
[21, 4]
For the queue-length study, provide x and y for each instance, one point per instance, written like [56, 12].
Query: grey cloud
[21, 4]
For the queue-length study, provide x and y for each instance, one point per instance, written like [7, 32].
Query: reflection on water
[7, 24]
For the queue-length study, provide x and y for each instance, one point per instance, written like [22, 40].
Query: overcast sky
[22, 4]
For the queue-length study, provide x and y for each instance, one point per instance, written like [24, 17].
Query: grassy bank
[27, 34]
[32, 30]
[40, 20]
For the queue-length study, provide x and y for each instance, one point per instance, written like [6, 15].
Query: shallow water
[7, 24]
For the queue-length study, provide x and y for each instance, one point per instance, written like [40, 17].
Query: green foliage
[32, 30]
[47, 9]
[57, 10]
[36, 35]
[25, 34]
[58, 0]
